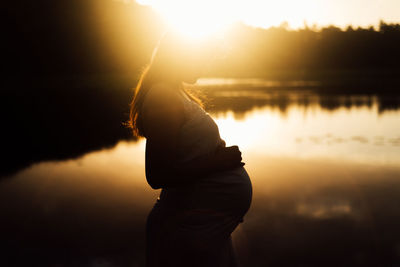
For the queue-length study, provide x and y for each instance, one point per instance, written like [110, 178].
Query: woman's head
[175, 60]
[180, 60]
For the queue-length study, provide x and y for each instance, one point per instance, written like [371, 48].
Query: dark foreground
[69, 196]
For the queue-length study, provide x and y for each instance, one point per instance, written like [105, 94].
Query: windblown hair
[164, 65]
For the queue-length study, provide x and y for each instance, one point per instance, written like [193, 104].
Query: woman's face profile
[193, 71]
[188, 60]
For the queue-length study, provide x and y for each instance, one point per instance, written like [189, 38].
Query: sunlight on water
[358, 134]
[316, 172]
[324, 210]
[101, 181]
[252, 82]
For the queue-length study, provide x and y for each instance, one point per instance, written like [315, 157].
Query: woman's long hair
[166, 64]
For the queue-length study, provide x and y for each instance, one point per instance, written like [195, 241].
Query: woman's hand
[226, 158]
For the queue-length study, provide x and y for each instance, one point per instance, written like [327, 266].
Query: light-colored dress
[192, 225]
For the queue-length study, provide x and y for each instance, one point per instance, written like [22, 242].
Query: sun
[194, 18]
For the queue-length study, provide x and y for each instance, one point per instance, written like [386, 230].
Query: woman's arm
[163, 116]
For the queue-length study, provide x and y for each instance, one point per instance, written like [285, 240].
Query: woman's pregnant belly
[227, 191]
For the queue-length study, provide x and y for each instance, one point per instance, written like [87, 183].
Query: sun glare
[194, 18]
[197, 18]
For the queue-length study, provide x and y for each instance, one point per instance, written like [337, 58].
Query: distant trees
[45, 37]
[329, 48]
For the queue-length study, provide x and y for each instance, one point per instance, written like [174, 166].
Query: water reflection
[253, 82]
[358, 134]
[93, 209]
[76, 212]
[95, 119]
[245, 99]
[325, 172]
[324, 210]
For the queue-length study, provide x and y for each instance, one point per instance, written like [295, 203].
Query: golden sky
[206, 15]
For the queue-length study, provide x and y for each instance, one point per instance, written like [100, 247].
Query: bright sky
[200, 16]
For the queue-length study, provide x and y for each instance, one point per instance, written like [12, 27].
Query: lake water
[325, 172]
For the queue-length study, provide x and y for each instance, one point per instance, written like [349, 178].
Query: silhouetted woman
[205, 189]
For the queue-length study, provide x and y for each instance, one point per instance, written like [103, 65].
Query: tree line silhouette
[258, 52]
[81, 37]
